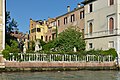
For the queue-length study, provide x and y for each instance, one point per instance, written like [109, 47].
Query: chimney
[78, 5]
[44, 21]
[68, 8]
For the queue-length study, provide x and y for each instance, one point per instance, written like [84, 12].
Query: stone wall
[57, 64]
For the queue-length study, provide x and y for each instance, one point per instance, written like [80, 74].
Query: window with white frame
[111, 44]
[65, 20]
[111, 2]
[90, 45]
[72, 18]
[111, 25]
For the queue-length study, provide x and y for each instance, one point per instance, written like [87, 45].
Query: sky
[23, 10]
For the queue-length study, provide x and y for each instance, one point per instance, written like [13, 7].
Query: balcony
[104, 33]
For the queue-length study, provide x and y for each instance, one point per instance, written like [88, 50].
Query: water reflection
[68, 75]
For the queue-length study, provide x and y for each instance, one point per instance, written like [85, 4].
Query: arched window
[90, 28]
[111, 25]
[111, 2]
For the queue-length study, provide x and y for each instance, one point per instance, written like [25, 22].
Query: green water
[68, 75]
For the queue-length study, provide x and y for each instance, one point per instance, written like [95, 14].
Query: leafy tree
[12, 48]
[10, 24]
[67, 40]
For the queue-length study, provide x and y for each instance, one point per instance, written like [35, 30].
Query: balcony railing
[102, 33]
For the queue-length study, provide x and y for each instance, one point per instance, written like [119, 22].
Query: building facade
[71, 18]
[102, 24]
[2, 25]
[42, 30]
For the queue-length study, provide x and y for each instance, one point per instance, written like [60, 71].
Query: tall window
[38, 30]
[46, 38]
[41, 37]
[65, 20]
[72, 18]
[58, 22]
[81, 14]
[111, 2]
[90, 7]
[49, 38]
[83, 33]
[90, 28]
[111, 25]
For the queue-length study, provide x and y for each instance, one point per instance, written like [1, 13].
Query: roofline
[87, 1]
[70, 12]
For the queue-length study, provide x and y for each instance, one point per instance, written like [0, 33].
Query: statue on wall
[24, 48]
[37, 48]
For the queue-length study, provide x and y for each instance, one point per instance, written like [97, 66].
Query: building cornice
[87, 1]
[70, 12]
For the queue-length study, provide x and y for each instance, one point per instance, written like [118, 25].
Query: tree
[10, 24]
[67, 40]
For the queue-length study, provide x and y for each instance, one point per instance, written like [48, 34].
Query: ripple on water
[68, 75]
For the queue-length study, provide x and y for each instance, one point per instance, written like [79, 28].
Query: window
[31, 25]
[111, 25]
[111, 44]
[49, 38]
[41, 37]
[46, 38]
[90, 45]
[72, 18]
[33, 30]
[81, 14]
[53, 36]
[91, 7]
[83, 33]
[38, 30]
[65, 20]
[35, 37]
[90, 28]
[58, 22]
[111, 2]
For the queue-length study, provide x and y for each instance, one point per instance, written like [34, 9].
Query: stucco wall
[99, 18]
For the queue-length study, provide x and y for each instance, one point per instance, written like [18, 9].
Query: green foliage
[111, 51]
[48, 46]
[6, 54]
[31, 46]
[66, 41]
[12, 48]
[93, 52]
[11, 25]
[42, 43]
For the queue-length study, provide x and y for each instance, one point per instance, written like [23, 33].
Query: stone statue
[75, 50]
[24, 48]
[37, 46]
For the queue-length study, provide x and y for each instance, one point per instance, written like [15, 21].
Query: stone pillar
[98, 59]
[1, 59]
[50, 57]
[13, 58]
[62, 57]
[29, 57]
[109, 58]
[76, 57]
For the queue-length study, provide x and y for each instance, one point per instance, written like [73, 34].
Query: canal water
[67, 75]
